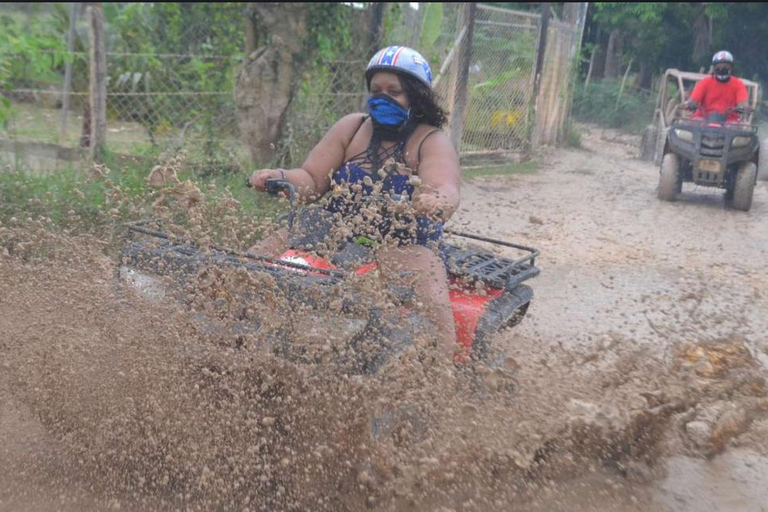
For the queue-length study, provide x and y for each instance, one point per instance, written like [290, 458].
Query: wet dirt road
[631, 282]
[640, 367]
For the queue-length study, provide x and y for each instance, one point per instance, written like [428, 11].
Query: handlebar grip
[274, 186]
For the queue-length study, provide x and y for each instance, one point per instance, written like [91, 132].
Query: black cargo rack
[467, 263]
[492, 269]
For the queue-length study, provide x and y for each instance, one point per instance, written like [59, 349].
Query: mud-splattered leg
[430, 286]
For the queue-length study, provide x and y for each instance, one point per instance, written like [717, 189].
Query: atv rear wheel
[744, 186]
[669, 177]
[648, 143]
[762, 161]
[661, 142]
[517, 316]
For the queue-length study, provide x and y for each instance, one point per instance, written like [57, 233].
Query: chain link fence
[172, 70]
[501, 80]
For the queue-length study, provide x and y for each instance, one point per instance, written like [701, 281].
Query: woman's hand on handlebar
[258, 178]
[430, 204]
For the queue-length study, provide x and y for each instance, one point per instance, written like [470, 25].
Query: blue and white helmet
[722, 56]
[400, 59]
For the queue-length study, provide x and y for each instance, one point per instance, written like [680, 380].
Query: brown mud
[636, 382]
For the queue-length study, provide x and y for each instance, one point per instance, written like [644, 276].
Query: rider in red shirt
[719, 92]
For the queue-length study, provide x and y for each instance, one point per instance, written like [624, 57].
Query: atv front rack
[467, 263]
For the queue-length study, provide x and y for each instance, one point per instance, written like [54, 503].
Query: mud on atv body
[487, 291]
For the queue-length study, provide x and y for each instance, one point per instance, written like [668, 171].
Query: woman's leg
[430, 286]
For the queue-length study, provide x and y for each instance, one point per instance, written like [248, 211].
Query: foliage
[662, 34]
[33, 52]
[431, 24]
[5, 103]
[329, 29]
[572, 137]
[600, 104]
[742, 29]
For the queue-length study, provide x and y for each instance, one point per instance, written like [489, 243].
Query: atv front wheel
[762, 161]
[744, 186]
[648, 144]
[669, 180]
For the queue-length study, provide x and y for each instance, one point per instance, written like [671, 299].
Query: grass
[502, 170]
[572, 137]
[601, 104]
[70, 199]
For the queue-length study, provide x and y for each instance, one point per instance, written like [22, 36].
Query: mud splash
[112, 401]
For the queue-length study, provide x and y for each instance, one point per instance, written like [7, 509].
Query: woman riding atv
[398, 149]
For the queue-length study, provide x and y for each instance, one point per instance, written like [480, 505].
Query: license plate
[709, 165]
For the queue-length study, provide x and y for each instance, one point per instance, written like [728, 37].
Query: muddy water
[637, 381]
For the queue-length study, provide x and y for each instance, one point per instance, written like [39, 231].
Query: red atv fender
[470, 305]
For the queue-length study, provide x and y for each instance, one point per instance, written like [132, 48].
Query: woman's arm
[313, 179]
[438, 194]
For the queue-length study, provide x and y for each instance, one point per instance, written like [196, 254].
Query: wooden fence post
[541, 47]
[462, 75]
[68, 71]
[98, 80]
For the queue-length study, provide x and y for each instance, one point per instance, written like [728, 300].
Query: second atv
[711, 153]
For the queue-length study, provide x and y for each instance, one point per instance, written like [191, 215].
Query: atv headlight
[684, 135]
[740, 142]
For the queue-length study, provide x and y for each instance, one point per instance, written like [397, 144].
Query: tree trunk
[85, 133]
[267, 80]
[702, 37]
[613, 55]
[376, 26]
[591, 67]
[250, 32]
[598, 68]
[571, 12]
[98, 80]
[644, 76]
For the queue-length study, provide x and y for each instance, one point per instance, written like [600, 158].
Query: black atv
[711, 153]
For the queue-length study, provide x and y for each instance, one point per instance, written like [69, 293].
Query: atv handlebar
[730, 110]
[273, 186]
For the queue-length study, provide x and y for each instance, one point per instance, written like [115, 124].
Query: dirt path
[644, 352]
[627, 282]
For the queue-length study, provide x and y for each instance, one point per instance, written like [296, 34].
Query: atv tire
[744, 186]
[762, 161]
[648, 143]
[661, 142]
[669, 178]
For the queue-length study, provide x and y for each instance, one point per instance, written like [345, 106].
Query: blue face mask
[387, 112]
